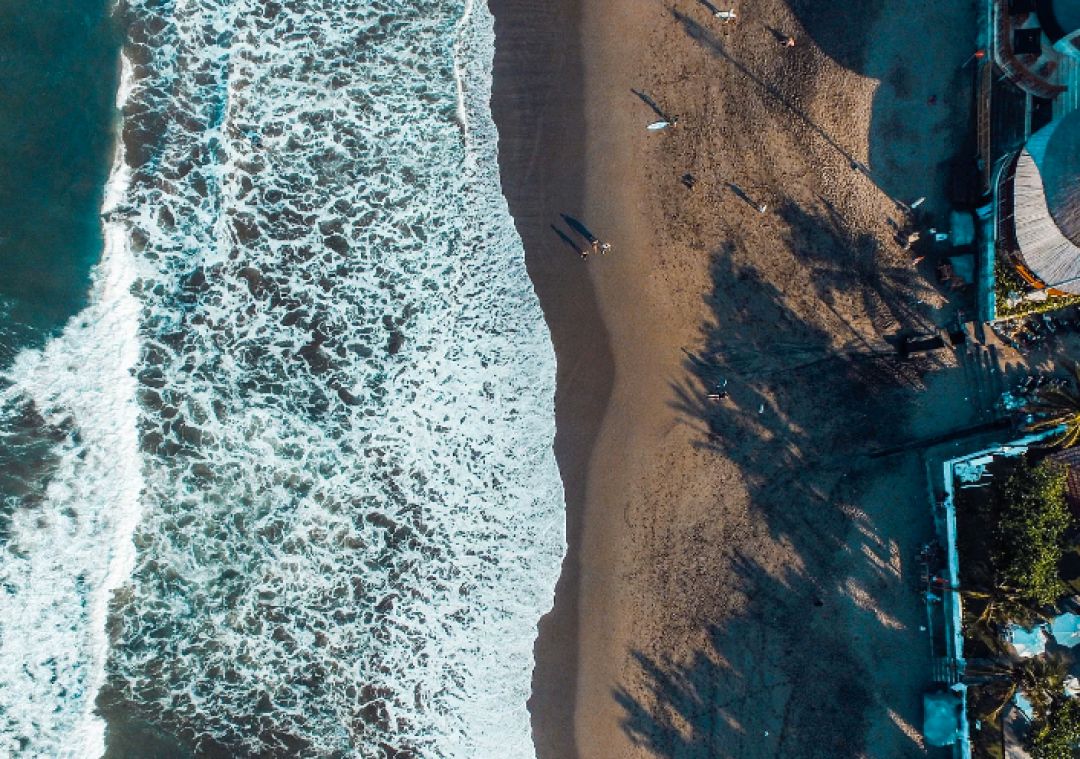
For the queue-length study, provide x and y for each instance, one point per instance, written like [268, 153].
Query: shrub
[1033, 519]
[1058, 735]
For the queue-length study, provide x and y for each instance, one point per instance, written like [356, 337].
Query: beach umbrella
[1066, 629]
[1026, 642]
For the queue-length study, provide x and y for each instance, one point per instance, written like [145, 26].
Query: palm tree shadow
[843, 262]
[801, 414]
[716, 47]
[780, 681]
[797, 407]
[784, 383]
[904, 119]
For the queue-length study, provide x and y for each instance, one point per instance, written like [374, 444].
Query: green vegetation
[986, 612]
[1060, 407]
[1030, 532]
[1041, 679]
[1006, 281]
[1012, 538]
[1056, 735]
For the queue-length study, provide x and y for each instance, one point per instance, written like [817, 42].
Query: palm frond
[1058, 407]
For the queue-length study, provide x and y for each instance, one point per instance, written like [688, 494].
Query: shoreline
[538, 107]
[694, 529]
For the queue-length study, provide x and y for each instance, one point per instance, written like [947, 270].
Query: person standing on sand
[789, 42]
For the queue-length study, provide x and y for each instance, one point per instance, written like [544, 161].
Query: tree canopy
[1057, 736]
[1033, 519]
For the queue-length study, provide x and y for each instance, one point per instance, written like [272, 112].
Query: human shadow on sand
[653, 105]
[904, 123]
[786, 675]
[716, 46]
[922, 108]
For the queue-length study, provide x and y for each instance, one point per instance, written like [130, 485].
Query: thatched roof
[1047, 203]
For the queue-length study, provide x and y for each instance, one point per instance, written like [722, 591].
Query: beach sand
[739, 575]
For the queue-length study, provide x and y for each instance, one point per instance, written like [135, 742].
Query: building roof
[1070, 457]
[1059, 165]
[1047, 203]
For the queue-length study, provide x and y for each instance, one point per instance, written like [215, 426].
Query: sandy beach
[738, 572]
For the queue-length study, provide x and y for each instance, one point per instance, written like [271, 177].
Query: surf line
[116, 276]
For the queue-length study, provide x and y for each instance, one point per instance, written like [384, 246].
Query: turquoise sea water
[58, 77]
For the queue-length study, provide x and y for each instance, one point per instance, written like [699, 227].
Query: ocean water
[301, 498]
[58, 68]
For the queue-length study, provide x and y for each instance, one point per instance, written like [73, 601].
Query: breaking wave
[68, 430]
[337, 428]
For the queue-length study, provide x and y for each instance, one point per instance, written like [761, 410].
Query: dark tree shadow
[923, 101]
[716, 46]
[801, 418]
[843, 263]
[903, 119]
[722, 703]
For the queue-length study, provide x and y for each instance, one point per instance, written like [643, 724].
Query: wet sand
[738, 577]
[538, 105]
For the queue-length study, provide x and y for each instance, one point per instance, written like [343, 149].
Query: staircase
[944, 670]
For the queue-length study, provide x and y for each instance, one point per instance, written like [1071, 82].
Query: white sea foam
[352, 515]
[67, 552]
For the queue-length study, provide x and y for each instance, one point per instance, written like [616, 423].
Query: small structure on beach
[1037, 232]
[943, 717]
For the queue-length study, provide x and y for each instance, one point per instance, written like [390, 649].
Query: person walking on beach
[788, 42]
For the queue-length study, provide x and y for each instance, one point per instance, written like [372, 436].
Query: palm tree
[996, 608]
[1040, 678]
[1059, 407]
